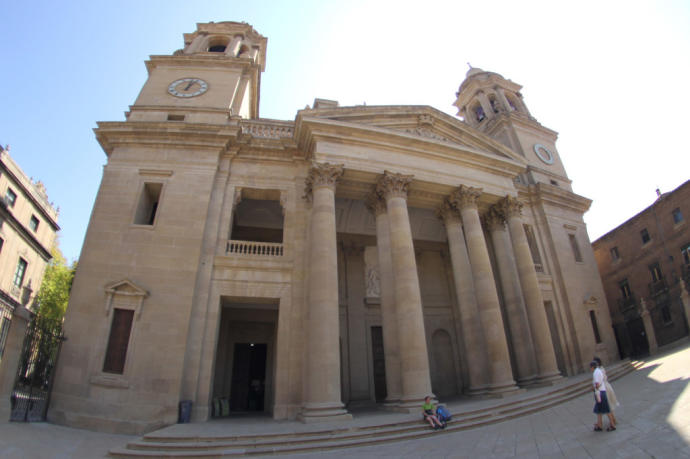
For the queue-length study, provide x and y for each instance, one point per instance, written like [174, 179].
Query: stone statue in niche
[371, 273]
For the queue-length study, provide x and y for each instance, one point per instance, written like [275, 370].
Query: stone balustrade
[267, 129]
[263, 249]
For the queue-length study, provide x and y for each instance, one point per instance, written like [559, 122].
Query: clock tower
[494, 106]
[216, 75]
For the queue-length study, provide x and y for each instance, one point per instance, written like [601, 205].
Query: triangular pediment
[125, 287]
[414, 122]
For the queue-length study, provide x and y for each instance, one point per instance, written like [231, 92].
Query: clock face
[188, 87]
[543, 153]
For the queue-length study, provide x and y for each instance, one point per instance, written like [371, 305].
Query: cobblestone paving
[653, 422]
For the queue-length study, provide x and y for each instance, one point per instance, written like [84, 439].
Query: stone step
[153, 445]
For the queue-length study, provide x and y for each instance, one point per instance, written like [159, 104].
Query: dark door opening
[380, 390]
[248, 377]
[638, 338]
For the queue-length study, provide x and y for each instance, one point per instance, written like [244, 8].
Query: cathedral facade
[352, 256]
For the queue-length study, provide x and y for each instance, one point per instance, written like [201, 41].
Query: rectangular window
[533, 248]
[615, 256]
[644, 234]
[655, 271]
[116, 352]
[595, 327]
[677, 215]
[19, 272]
[10, 197]
[148, 204]
[575, 247]
[33, 223]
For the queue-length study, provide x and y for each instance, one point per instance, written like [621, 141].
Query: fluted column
[547, 368]
[500, 373]
[322, 397]
[516, 316]
[472, 335]
[414, 359]
[391, 345]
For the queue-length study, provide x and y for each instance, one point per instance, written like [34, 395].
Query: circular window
[543, 153]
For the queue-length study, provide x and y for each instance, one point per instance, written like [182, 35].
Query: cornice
[521, 120]
[401, 118]
[24, 233]
[165, 134]
[30, 196]
[310, 130]
[553, 195]
[201, 60]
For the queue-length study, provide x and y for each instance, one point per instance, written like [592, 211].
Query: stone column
[472, 335]
[322, 398]
[391, 345]
[486, 105]
[516, 316]
[547, 368]
[500, 373]
[414, 358]
[648, 327]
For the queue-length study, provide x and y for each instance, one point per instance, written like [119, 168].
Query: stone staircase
[209, 445]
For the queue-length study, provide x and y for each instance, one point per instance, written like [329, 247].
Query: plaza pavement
[653, 422]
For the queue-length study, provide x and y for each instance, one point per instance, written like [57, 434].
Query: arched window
[217, 44]
[511, 102]
[479, 113]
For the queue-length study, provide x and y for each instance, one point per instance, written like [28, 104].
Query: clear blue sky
[610, 77]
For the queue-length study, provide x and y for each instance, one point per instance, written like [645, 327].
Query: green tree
[53, 295]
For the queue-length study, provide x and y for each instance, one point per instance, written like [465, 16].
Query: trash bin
[185, 412]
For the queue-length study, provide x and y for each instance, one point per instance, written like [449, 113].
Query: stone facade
[645, 267]
[303, 267]
[28, 226]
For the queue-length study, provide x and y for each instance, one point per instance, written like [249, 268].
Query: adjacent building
[645, 268]
[351, 256]
[28, 226]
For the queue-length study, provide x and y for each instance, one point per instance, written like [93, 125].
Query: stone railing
[267, 129]
[253, 248]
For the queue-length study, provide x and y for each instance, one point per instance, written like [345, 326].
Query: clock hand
[189, 85]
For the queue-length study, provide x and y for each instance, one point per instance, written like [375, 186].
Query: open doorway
[244, 373]
[248, 377]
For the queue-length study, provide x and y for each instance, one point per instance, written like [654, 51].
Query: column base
[323, 412]
[409, 403]
[504, 390]
[547, 380]
[528, 381]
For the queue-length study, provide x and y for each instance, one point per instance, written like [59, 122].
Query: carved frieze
[393, 185]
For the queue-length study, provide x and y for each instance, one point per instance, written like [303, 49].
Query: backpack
[443, 414]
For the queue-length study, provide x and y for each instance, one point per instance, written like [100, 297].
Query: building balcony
[254, 248]
[625, 304]
[658, 287]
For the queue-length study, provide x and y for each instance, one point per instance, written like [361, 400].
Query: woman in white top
[610, 394]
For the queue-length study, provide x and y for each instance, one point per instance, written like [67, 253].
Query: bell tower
[216, 75]
[494, 105]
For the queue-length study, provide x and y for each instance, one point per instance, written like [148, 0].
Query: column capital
[322, 175]
[465, 196]
[448, 213]
[393, 185]
[375, 204]
[494, 219]
[511, 207]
